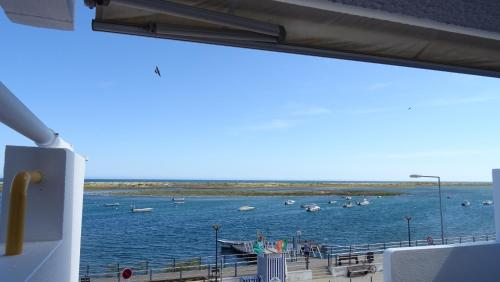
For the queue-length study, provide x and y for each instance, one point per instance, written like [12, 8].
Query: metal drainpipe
[17, 211]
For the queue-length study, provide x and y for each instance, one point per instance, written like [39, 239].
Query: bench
[349, 258]
[359, 270]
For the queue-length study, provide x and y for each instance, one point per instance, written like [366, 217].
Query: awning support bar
[197, 14]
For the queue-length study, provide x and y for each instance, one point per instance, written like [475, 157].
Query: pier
[360, 262]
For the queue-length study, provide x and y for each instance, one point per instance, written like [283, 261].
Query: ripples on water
[113, 235]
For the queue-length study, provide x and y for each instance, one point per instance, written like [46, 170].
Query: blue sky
[228, 113]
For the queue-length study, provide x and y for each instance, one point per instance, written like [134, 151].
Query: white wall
[460, 263]
[53, 216]
[475, 262]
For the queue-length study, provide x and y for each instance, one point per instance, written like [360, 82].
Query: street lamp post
[216, 228]
[408, 218]
[440, 201]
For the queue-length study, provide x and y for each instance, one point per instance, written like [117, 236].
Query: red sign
[126, 273]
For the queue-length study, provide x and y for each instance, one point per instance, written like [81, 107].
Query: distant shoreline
[246, 193]
[92, 185]
[259, 188]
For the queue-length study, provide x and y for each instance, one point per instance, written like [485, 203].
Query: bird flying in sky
[409, 108]
[157, 71]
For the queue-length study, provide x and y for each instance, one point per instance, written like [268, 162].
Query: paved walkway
[319, 269]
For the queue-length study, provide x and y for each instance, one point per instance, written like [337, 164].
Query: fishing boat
[136, 210]
[313, 208]
[465, 203]
[348, 205]
[111, 204]
[364, 202]
[487, 202]
[246, 208]
[289, 202]
[332, 202]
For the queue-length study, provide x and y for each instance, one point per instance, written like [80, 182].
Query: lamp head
[216, 227]
[415, 176]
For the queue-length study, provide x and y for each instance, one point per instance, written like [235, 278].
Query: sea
[114, 235]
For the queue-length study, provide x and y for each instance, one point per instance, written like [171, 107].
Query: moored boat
[487, 202]
[289, 202]
[136, 210]
[111, 204]
[332, 202]
[313, 208]
[465, 203]
[246, 208]
[348, 205]
[305, 206]
[364, 202]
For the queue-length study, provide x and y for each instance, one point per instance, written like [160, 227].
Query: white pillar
[53, 215]
[496, 200]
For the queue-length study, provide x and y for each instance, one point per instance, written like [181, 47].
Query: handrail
[17, 211]
[17, 116]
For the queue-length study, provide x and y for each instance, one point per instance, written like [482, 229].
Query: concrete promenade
[318, 267]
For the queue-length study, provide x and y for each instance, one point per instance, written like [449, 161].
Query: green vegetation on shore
[251, 193]
[93, 186]
[270, 188]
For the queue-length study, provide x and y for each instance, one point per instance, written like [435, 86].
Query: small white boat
[379, 197]
[465, 203]
[332, 202]
[134, 209]
[487, 202]
[228, 244]
[364, 202]
[180, 199]
[348, 205]
[305, 206]
[246, 208]
[112, 204]
[348, 198]
[313, 208]
[289, 202]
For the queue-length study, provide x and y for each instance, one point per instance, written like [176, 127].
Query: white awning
[315, 27]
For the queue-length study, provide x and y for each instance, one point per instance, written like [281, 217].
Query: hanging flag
[278, 246]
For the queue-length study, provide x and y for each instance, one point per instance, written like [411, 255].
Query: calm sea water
[112, 235]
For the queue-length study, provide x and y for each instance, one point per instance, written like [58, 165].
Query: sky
[229, 113]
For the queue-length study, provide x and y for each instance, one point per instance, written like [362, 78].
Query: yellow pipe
[17, 210]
